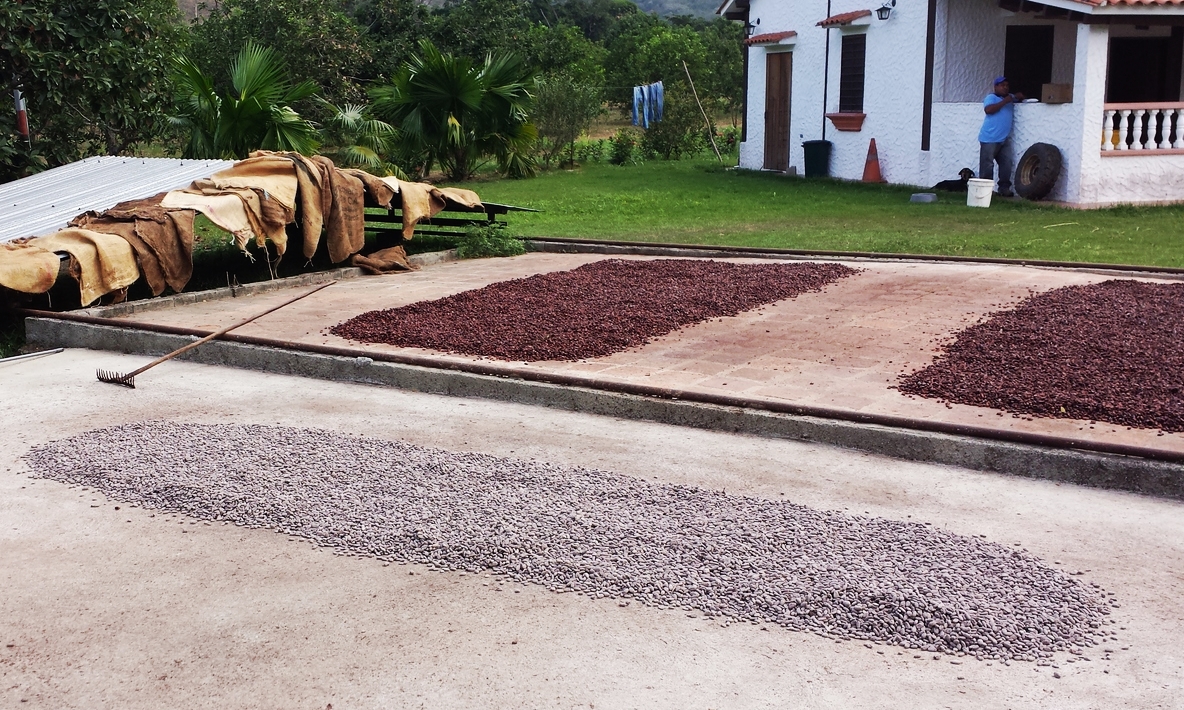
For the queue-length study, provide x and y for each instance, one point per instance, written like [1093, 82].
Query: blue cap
[999, 80]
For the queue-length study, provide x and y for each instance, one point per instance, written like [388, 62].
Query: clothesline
[648, 102]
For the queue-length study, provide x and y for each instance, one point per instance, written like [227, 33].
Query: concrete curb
[1136, 475]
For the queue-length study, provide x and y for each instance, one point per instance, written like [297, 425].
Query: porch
[1107, 90]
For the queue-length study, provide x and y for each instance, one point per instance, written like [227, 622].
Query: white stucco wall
[972, 41]
[955, 138]
[969, 51]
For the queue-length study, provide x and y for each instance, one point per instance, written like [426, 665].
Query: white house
[913, 73]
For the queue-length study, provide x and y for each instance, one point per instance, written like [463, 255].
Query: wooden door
[778, 80]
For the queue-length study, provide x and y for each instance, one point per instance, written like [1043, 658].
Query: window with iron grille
[851, 69]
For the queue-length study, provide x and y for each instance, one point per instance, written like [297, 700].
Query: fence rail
[1134, 128]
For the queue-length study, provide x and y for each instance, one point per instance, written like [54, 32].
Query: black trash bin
[817, 158]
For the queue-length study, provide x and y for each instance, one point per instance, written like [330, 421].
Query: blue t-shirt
[996, 126]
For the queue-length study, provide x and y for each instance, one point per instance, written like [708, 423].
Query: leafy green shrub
[590, 151]
[681, 130]
[728, 139]
[623, 148]
[480, 242]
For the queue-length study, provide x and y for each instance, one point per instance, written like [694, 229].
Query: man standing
[992, 138]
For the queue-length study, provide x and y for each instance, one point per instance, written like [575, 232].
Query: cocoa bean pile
[605, 535]
[597, 309]
[1108, 352]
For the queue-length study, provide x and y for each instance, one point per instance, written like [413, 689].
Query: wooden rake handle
[225, 330]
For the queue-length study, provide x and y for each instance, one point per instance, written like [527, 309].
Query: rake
[129, 380]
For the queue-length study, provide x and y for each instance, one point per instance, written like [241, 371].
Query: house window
[1027, 58]
[851, 70]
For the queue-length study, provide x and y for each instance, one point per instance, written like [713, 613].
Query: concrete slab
[842, 348]
[116, 608]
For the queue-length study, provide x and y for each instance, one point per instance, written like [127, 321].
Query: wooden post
[710, 128]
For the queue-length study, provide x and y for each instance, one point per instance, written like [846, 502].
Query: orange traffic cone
[871, 169]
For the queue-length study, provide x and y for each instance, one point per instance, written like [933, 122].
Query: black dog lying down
[955, 185]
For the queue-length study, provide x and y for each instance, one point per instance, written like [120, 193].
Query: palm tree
[449, 111]
[255, 114]
[358, 140]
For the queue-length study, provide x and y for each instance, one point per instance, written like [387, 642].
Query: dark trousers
[988, 155]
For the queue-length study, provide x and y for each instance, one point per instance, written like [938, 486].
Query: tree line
[396, 85]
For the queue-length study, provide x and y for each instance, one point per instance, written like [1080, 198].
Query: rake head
[116, 378]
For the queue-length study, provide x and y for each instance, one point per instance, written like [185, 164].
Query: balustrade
[1132, 128]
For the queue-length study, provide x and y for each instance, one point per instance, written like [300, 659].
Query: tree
[391, 29]
[316, 39]
[681, 130]
[449, 110]
[255, 113]
[563, 109]
[358, 140]
[476, 28]
[594, 18]
[93, 72]
[724, 82]
[563, 50]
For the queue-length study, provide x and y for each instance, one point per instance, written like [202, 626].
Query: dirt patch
[594, 310]
[1107, 352]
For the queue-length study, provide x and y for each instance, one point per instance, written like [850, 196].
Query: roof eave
[733, 9]
[1137, 10]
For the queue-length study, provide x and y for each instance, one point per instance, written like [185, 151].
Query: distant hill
[667, 8]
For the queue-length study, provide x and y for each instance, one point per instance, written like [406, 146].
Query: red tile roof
[845, 18]
[1133, 3]
[770, 37]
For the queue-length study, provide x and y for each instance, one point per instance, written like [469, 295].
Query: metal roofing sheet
[45, 202]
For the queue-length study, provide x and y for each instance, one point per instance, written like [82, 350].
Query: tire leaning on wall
[1038, 171]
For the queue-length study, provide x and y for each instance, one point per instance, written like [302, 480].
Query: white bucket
[978, 192]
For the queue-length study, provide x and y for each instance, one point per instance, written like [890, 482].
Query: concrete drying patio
[107, 605]
[841, 348]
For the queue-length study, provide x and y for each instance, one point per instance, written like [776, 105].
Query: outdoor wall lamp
[750, 27]
[885, 11]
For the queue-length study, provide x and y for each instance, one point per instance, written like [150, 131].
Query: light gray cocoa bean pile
[598, 533]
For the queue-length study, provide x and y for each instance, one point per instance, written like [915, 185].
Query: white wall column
[1089, 96]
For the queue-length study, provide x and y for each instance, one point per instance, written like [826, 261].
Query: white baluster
[1137, 129]
[1163, 126]
[1178, 143]
[1108, 130]
[1123, 128]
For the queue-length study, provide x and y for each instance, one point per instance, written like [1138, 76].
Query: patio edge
[1133, 474]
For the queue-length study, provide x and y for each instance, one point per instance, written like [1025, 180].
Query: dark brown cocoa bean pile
[594, 310]
[1109, 352]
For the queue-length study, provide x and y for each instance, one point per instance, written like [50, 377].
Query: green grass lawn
[698, 202]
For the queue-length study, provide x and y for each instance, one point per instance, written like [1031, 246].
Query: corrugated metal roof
[45, 202]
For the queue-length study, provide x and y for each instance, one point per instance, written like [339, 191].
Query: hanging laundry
[648, 103]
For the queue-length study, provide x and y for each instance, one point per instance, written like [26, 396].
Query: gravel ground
[591, 311]
[1105, 352]
[598, 533]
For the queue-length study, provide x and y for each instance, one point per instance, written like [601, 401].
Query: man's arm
[992, 109]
